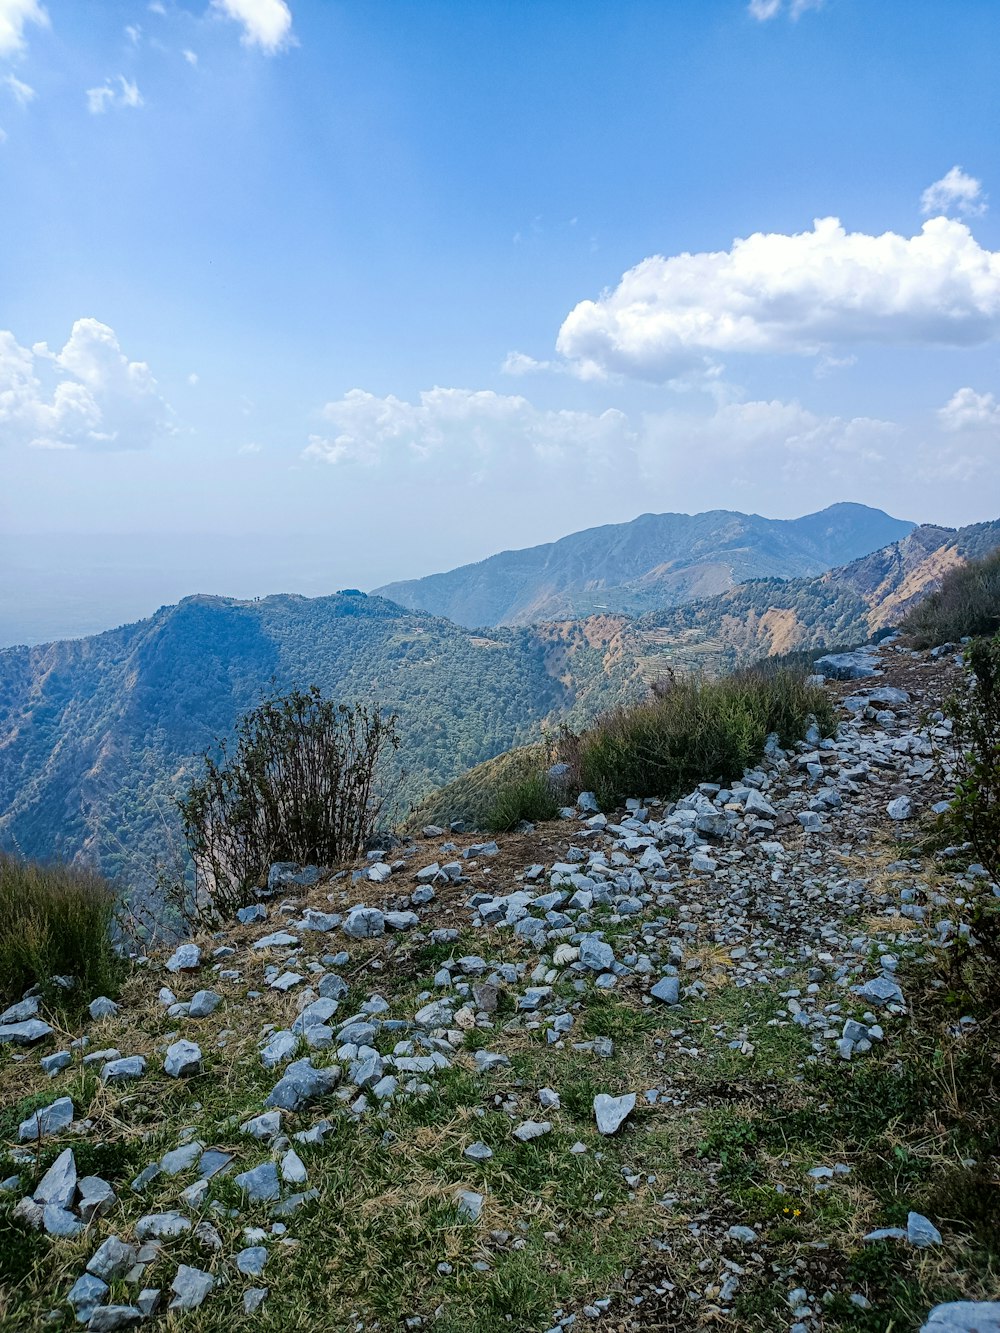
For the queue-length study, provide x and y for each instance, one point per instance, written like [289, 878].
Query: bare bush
[301, 784]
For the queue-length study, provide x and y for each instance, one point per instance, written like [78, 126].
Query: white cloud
[803, 293]
[101, 99]
[773, 438]
[23, 92]
[133, 32]
[14, 17]
[3, 135]
[86, 396]
[520, 363]
[249, 449]
[955, 192]
[190, 57]
[464, 427]
[266, 23]
[762, 10]
[968, 410]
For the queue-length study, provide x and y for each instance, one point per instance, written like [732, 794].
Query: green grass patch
[530, 798]
[56, 920]
[693, 730]
[966, 603]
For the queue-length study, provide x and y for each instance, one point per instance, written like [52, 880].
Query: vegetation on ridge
[56, 921]
[692, 730]
[304, 783]
[966, 604]
[688, 730]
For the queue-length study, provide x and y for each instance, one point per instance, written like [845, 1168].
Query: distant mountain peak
[654, 560]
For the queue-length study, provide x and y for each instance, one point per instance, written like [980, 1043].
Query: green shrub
[56, 920]
[531, 798]
[302, 785]
[967, 604]
[975, 715]
[692, 731]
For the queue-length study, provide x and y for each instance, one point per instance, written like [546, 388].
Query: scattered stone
[29, 1032]
[254, 1298]
[251, 1261]
[190, 1288]
[112, 1259]
[596, 954]
[260, 1184]
[107, 1318]
[920, 1232]
[611, 1112]
[125, 1070]
[161, 1226]
[470, 1204]
[667, 989]
[58, 1185]
[964, 1317]
[96, 1198]
[185, 958]
[182, 1059]
[51, 1119]
[532, 1129]
[103, 1007]
[364, 923]
[85, 1295]
[302, 1082]
[478, 1152]
[203, 1003]
[54, 1064]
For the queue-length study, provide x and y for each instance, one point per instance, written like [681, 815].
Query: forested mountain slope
[97, 734]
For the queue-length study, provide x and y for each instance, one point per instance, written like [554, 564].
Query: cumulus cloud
[15, 15]
[955, 192]
[802, 293]
[968, 410]
[23, 93]
[86, 396]
[266, 23]
[749, 447]
[463, 425]
[769, 440]
[107, 95]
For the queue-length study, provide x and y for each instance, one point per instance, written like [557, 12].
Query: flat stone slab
[24, 1034]
[58, 1115]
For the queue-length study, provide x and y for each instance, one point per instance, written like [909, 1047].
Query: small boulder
[611, 1112]
[182, 1059]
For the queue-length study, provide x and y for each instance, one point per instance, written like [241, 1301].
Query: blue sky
[389, 286]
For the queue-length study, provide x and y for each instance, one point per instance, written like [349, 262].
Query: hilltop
[98, 734]
[653, 1067]
[657, 560]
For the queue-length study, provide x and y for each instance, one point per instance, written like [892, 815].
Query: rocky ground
[659, 1068]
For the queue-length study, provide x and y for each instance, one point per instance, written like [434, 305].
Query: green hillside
[96, 735]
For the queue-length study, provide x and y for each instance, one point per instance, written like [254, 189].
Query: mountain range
[656, 560]
[99, 734]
